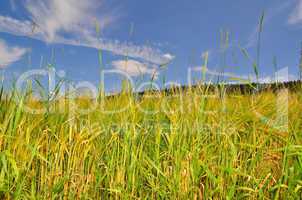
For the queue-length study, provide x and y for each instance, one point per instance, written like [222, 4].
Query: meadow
[186, 144]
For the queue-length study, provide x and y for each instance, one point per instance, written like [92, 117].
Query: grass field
[191, 144]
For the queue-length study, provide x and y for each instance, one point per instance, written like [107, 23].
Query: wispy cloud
[73, 22]
[296, 16]
[281, 76]
[215, 73]
[69, 16]
[9, 55]
[135, 68]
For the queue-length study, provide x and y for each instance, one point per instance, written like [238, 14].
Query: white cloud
[221, 74]
[9, 55]
[168, 56]
[73, 22]
[296, 16]
[16, 27]
[135, 68]
[281, 76]
[278, 78]
[71, 16]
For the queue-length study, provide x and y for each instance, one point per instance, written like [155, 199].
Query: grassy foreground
[191, 145]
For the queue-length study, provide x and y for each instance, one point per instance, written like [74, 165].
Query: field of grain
[189, 144]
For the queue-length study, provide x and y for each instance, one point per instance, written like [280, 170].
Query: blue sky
[147, 34]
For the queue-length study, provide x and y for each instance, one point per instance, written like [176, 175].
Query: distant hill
[246, 88]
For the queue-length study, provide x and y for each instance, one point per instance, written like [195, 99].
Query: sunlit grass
[192, 144]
